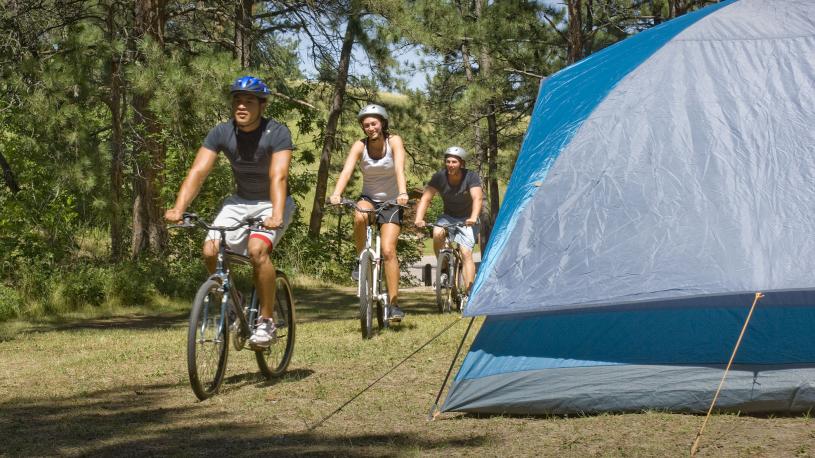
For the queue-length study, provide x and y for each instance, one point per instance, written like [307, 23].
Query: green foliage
[10, 302]
[57, 121]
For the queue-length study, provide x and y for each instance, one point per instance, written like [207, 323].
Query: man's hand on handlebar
[173, 215]
[273, 222]
[469, 222]
[420, 223]
[334, 199]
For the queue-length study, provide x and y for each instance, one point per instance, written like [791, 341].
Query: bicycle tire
[458, 287]
[274, 360]
[366, 296]
[380, 306]
[207, 340]
[444, 264]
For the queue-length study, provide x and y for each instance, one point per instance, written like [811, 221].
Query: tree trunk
[480, 152]
[489, 151]
[8, 175]
[117, 145]
[329, 137]
[485, 224]
[149, 232]
[575, 31]
[243, 32]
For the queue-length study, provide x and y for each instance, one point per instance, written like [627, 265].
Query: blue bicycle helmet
[251, 85]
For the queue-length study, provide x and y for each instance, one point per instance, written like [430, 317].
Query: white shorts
[236, 209]
[464, 236]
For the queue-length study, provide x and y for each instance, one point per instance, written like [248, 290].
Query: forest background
[105, 102]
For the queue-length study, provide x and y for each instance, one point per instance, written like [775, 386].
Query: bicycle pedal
[256, 347]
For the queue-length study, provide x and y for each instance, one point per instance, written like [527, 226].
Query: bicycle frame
[373, 247]
[222, 276]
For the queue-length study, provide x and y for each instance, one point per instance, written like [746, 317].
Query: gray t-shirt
[250, 153]
[457, 200]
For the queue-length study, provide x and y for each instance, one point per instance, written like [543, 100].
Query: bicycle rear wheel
[207, 340]
[444, 268]
[366, 299]
[274, 360]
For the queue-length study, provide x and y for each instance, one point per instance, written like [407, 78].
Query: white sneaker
[264, 333]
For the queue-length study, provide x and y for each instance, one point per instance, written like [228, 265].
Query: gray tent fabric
[694, 176]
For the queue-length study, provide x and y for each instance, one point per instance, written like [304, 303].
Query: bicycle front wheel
[366, 299]
[460, 288]
[274, 360]
[444, 268]
[207, 340]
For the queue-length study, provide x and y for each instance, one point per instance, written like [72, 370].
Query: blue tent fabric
[662, 182]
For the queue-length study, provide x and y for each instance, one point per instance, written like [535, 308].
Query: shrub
[75, 288]
[10, 303]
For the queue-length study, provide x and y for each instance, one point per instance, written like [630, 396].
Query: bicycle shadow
[258, 380]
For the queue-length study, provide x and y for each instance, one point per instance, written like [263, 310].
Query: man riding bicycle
[461, 193]
[259, 151]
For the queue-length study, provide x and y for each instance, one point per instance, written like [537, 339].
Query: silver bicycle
[450, 288]
[371, 290]
[218, 310]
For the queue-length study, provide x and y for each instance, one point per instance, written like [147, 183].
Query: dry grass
[118, 386]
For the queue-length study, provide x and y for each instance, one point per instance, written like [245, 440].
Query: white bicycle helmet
[372, 110]
[456, 151]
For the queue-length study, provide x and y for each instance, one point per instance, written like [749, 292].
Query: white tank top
[379, 175]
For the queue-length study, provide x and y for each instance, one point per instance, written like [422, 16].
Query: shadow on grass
[258, 380]
[135, 420]
[130, 322]
[319, 304]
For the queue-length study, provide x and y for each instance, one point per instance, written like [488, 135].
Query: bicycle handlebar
[445, 226]
[348, 203]
[191, 220]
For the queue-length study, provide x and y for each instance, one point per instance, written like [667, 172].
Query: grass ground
[118, 386]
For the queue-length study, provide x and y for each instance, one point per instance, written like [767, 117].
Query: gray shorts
[464, 236]
[236, 209]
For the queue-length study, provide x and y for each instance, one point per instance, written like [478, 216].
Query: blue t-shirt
[250, 153]
[457, 199]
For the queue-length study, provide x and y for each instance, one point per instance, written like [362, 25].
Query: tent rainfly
[662, 182]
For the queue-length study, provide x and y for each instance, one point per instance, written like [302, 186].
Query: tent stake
[434, 410]
[695, 447]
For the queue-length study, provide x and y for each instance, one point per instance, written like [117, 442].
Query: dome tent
[662, 182]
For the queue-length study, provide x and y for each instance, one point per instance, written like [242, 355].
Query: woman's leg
[389, 232]
[361, 225]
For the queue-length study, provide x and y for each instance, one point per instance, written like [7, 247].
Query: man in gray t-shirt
[259, 151]
[461, 193]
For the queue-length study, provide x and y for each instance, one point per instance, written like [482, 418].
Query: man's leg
[438, 239]
[263, 271]
[211, 255]
[467, 266]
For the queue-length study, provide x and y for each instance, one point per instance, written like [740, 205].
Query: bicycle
[449, 285]
[369, 287]
[218, 310]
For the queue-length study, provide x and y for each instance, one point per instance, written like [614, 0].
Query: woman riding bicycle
[461, 194]
[381, 158]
